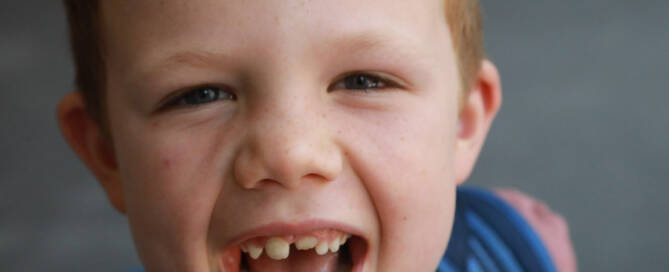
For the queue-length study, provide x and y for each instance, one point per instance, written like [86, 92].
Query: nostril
[315, 177]
[268, 182]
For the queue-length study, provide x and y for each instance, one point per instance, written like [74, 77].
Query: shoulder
[501, 230]
[551, 227]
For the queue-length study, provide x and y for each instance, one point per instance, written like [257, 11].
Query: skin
[295, 145]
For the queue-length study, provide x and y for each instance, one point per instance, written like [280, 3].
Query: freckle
[402, 139]
[324, 115]
[276, 19]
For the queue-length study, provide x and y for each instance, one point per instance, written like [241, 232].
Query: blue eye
[361, 82]
[203, 95]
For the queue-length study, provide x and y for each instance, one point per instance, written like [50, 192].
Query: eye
[202, 95]
[362, 82]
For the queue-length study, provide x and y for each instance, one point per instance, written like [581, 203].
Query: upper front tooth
[322, 248]
[254, 251]
[277, 248]
[334, 244]
[306, 243]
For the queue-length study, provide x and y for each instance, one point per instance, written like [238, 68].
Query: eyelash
[182, 100]
[377, 83]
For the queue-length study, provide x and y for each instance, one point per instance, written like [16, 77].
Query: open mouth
[323, 250]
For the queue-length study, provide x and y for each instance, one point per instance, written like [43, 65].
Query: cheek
[407, 168]
[417, 216]
[415, 205]
[171, 182]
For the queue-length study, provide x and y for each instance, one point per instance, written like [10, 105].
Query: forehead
[140, 34]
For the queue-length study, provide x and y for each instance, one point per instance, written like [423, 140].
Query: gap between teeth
[278, 249]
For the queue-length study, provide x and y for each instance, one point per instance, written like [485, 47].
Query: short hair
[87, 45]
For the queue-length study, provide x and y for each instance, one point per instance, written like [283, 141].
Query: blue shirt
[489, 235]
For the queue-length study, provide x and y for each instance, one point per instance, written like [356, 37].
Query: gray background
[583, 126]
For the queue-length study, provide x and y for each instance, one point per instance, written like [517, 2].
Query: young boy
[281, 135]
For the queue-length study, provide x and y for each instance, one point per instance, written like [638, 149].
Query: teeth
[344, 239]
[322, 248]
[277, 248]
[334, 245]
[254, 251]
[306, 243]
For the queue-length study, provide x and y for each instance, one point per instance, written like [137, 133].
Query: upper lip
[285, 228]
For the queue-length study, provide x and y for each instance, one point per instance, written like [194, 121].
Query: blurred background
[583, 127]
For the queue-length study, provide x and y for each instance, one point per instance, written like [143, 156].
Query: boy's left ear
[478, 111]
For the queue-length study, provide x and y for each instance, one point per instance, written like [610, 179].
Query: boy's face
[281, 140]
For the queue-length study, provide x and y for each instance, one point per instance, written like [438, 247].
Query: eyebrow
[357, 43]
[362, 41]
[389, 45]
[194, 58]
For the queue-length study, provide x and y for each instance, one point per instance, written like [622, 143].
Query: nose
[287, 143]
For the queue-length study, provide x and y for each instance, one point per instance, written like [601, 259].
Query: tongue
[298, 261]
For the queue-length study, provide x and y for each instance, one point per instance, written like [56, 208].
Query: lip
[285, 228]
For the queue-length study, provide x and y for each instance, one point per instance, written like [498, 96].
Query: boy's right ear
[85, 136]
